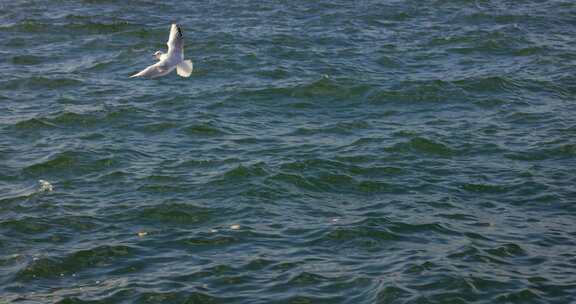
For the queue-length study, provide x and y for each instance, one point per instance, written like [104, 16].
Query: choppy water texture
[321, 152]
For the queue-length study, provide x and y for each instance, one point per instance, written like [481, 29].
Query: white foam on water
[45, 186]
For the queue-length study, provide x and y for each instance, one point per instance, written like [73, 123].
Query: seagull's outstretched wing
[155, 70]
[176, 39]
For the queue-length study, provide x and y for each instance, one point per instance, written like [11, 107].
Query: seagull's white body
[173, 59]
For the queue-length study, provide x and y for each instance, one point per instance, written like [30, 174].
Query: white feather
[185, 68]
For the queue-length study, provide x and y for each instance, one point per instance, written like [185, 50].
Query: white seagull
[174, 59]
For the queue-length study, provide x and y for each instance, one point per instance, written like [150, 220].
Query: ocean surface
[321, 152]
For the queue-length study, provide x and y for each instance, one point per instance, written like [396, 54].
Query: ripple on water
[69, 163]
[204, 130]
[158, 127]
[423, 146]
[91, 27]
[27, 60]
[562, 151]
[26, 225]
[63, 120]
[180, 297]
[34, 124]
[240, 174]
[323, 89]
[416, 92]
[341, 128]
[174, 214]
[73, 263]
[40, 82]
[485, 188]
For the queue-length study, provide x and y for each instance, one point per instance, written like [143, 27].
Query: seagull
[167, 62]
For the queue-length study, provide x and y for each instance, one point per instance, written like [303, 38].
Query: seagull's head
[158, 54]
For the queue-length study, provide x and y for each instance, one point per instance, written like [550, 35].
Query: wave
[417, 91]
[86, 26]
[73, 263]
[28, 60]
[102, 27]
[558, 152]
[40, 82]
[204, 130]
[174, 214]
[424, 146]
[344, 128]
[320, 90]
[71, 163]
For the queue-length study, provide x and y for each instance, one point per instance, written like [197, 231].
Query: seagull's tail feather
[185, 68]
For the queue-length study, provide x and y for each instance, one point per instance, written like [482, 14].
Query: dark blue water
[321, 152]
